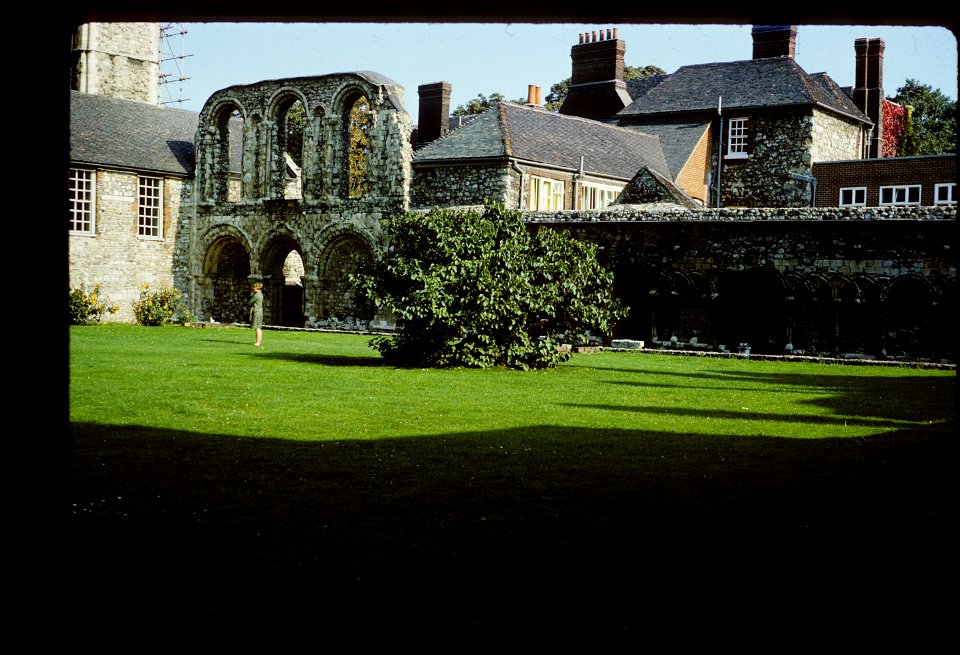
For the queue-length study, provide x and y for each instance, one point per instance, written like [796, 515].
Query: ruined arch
[340, 255]
[283, 267]
[353, 107]
[222, 132]
[287, 112]
[226, 271]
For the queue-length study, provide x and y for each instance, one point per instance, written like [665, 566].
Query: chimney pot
[581, 37]
[593, 37]
[615, 33]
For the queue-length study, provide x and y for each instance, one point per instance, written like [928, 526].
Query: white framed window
[853, 196]
[83, 201]
[904, 194]
[545, 194]
[150, 208]
[597, 196]
[945, 194]
[737, 138]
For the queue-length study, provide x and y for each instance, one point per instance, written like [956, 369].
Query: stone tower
[119, 60]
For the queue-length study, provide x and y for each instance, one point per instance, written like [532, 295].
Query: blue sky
[506, 58]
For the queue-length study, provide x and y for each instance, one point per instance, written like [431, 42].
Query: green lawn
[213, 479]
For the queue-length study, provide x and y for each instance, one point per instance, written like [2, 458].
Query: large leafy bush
[478, 289]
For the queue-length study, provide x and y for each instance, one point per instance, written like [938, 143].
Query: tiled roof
[678, 137]
[128, 134]
[752, 83]
[480, 138]
[639, 86]
[535, 135]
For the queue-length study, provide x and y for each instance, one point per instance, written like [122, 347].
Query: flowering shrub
[87, 306]
[158, 307]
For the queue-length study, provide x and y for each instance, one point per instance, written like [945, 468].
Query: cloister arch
[910, 317]
[340, 257]
[226, 277]
[283, 270]
[751, 309]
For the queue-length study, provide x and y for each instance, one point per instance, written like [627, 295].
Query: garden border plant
[88, 307]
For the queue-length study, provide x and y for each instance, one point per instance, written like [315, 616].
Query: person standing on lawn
[256, 311]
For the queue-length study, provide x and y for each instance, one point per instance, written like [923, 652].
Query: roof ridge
[504, 128]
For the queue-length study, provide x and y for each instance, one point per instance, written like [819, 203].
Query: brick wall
[874, 173]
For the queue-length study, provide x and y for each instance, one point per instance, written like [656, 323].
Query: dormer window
[737, 138]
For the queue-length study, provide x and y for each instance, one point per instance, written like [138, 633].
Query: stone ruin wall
[325, 226]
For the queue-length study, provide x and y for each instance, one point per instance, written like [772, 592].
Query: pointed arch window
[358, 157]
[292, 121]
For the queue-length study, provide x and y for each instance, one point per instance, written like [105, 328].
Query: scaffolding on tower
[171, 64]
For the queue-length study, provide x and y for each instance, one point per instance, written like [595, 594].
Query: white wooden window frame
[83, 202]
[597, 196]
[900, 194]
[150, 207]
[546, 194]
[737, 138]
[945, 194]
[856, 196]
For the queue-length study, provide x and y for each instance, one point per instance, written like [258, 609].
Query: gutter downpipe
[720, 150]
[810, 180]
[576, 195]
[513, 165]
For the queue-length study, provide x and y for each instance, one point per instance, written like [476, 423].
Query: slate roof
[132, 135]
[748, 84]
[639, 86]
[534, 135]
[678, 136]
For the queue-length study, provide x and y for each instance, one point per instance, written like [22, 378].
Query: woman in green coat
[256, 311]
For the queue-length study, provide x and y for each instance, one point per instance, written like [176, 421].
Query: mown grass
[213, 479]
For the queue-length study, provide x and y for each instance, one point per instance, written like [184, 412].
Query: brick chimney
[597, 89]
[774, 41]
[868, 88]
[434, 119]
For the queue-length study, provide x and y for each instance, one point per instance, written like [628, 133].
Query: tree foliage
[478, 289]
[481, 103]
[932, 125]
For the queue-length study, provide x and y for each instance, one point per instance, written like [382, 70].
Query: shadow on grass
[325, 360]
[490, 531]
[846, 395]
